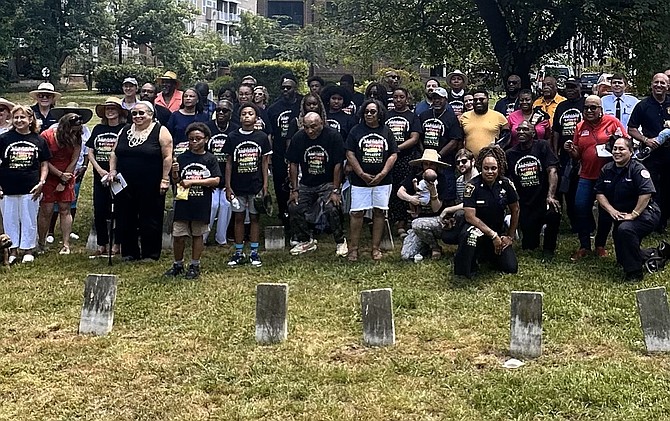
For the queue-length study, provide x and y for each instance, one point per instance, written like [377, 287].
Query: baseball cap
[130, 80]
[440, 91]
[572, 81]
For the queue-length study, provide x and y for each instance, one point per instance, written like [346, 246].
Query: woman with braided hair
[485, 199]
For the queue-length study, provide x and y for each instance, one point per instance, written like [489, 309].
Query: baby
[421, 191]
[644, 151]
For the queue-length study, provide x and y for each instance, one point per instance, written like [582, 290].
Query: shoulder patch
[645, 174]
[469, 189]
[511, 184]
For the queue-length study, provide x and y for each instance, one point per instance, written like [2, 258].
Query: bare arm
[44, 171]
[293, 177]
[266, 168]
[356, 167]
[452, 146]
[553, 183]
[388, 166]
[635, 134]
[165, 139]
[229, 172]
[410, 142]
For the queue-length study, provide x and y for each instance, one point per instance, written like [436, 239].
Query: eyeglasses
[370, 112]
[45, 96]
[196, 139]
[147, 91]
[222, 110]
[136, 113]
[258, 94]
[591, 107]
[462, 161]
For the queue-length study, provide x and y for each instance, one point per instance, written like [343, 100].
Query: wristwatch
[337, 191]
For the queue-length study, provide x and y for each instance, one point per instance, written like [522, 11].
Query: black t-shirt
[162, 114]
[456, 101]
[21, 156]
[101, 142]
[442, 191]
[490, 202]
[247, 151]
[216, 144]
[402, 125]
[568, 113]
[507, 105]
[528, 170]
[623, 186]
[317, 158]
[651, 115]
[372, 148]
[280, 114]
[439, 130]
[262, 119]
[199, 203]
[137, 160]
[342, 122]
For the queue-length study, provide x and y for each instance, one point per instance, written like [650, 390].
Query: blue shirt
[628, 102]
[178, 123]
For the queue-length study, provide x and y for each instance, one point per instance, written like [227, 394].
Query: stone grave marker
[92, 241]
[97, 311]
[274, 238]
[652, 305]
[526, 324]
[377, 312]
[271, 313]
[168, 218]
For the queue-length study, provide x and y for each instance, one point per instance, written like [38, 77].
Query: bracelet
[494, 236]
[433, 197]
[166, 180]
[636, 213]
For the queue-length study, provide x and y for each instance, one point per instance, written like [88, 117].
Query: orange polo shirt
[175, 101]
[549, 107]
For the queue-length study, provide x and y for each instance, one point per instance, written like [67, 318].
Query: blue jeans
[583, 204]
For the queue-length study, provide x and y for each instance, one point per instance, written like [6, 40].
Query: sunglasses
[393, 76]
[286, 88]
[43, 96]
[480, 99]
[136, 113]
[370, 112]
[222, 110]
[462, 161]
[512, 82]
[591, 107]
[75, 121]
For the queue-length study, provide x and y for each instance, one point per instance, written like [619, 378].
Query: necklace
[137, 138]
[438, 117]
[222, 129]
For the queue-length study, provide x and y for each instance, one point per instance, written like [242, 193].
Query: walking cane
[112, 226]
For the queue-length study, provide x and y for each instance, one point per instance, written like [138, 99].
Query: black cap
[572, 81]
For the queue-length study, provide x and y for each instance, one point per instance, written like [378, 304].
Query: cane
[112, 226]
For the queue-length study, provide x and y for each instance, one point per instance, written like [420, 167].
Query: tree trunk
[120, 50]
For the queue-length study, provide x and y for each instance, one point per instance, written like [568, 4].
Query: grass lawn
[185, 350]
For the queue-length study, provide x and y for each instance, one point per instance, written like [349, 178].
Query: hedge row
[109, 78]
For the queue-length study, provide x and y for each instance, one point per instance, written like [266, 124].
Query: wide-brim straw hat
[45, 88]
[72, 107]
[6, 103]
[458, 73]
[112, 100]
[429, 155]
[169, 75]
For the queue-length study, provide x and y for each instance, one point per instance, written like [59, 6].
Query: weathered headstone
[271, 313]
[274, 238]
[92, 241]
[526, 324]
[97, 311]
[168, 218]
[652, 304]
[377, 312]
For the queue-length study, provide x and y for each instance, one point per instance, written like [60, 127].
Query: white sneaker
[74, 236]
[50, 239]
[28, 258]
[11, 260]
[342, 249]
[304, 247]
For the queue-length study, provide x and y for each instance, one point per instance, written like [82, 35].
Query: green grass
[185, 350]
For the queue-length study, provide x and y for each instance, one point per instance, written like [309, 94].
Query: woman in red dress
[64, 144]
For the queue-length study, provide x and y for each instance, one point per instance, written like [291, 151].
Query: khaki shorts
[189, 228]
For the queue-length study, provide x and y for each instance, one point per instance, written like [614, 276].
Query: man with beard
[148, 93]
[424, 105]
[457, 82]
[618, 103]
[280, 114]
[317, 152]
[550, 97]
[391, 82]
[170, 96]
[650, 114]
[442, 132]
[482, 126]
[510, 102]
[568, 113]
[531, 165]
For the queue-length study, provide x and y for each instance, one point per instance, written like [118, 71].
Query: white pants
[221, 211]
[364, 198]
[20, 220]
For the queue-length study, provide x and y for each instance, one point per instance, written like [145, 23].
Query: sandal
[377, 255]
[64, 250]
[436, 254]
[352, 256]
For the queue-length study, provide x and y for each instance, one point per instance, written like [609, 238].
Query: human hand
[186, 183]
[498, 244]
[367, 178]
[554, 204]
[164, 186]
[335, 199]
[37, 191]
[652, 143]
[293, 197]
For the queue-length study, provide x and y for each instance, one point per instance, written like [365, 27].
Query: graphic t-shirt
[566, 117]
[372, 148]
[402, 125]
[20, 159]
[102, 141]
[456, 101]
[481, 129]
[280, 114]
[196, 167]
[528, 170]
[342, 122]
[440, 128]
[317, 158]
[246, 150]
[217, 142]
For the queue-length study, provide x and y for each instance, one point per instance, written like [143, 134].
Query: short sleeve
[643, 181]
[469, 198]
[293, 153]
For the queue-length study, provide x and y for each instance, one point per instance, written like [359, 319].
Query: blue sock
[238, 248]
[254, 247]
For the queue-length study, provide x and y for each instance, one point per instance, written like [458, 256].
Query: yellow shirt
[549, 107]
[481, 129]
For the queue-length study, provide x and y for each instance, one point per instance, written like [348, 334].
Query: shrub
[408, 79]
[108, 78]
[269, 72]
[219, 82]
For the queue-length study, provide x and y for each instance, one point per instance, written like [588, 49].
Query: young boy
[198, 171]
[248, 151]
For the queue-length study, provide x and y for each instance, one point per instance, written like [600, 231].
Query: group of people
[450, 169]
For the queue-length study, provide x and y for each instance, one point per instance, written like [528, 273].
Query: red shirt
[587, 136]
[175, 101]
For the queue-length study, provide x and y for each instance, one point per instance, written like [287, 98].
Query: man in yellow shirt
[550, 97]
[483, 126]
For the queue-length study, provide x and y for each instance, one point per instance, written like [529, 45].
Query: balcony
[227, 17]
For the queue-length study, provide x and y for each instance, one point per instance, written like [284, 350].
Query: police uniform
[489, 204]
[622, 188]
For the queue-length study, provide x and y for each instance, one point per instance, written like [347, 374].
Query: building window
[291, 12]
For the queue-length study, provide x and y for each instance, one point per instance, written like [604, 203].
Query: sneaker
[50, 238]
[28, 258]
[643, 153]
[237, 259]
[174, 271]
[11, 260]
[294, 242]
[303, 247]
[601, 252]
[579, 254]
[193, 272]
[342, 249]
[74, 236]
[255, 259]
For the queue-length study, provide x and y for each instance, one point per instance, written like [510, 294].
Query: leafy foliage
[108, 78]
[269, 72]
